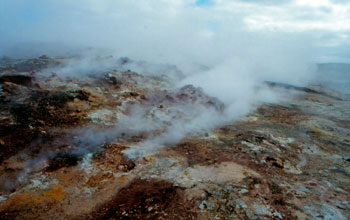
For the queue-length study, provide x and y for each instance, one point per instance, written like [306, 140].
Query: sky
[158, 28]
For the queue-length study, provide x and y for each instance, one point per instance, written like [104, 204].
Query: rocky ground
[67, 150]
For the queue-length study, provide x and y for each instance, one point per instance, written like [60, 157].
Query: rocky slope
[92, 147]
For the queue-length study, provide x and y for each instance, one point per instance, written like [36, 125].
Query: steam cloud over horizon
[227, 48]
[204, 31]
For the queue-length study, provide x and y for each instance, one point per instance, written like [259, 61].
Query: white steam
[211, 47]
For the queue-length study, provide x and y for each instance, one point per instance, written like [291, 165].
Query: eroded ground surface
[65, 142]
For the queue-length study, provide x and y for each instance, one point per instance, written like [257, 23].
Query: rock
[206, 205]
[243, 191]
[20, 79]
[27, 65]
[113, 80]
[44, 57]
[63, 160]
[247, 169]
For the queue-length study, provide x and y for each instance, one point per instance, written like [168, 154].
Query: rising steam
[207, 47]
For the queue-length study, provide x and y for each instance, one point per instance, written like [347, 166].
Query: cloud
[175, 30]
[228, 48]
[341, 1]
[204, 3]
[267, 2]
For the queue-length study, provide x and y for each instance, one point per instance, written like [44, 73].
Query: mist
[208, 44]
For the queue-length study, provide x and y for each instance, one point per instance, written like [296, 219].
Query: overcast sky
[136, 26]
